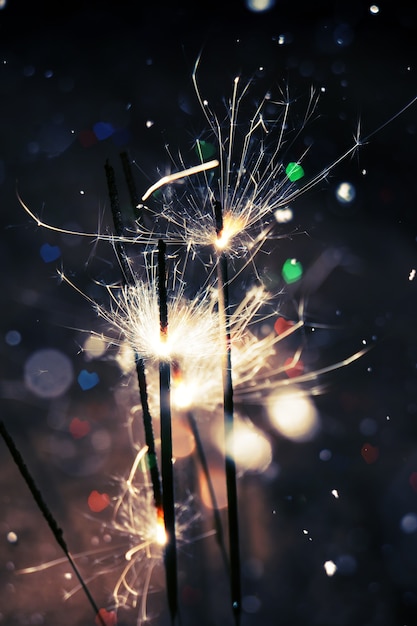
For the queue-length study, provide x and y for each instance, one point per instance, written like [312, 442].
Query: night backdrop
[82, 82]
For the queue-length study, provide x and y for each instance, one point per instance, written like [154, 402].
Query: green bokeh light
[204, 149]
[294, 171]
[292, 270]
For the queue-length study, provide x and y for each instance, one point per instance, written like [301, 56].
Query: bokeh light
[294, 416]
[48, 373]
[258, 6]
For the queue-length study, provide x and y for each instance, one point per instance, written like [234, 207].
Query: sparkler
[230, 466]
[129, 279]
[56, 530]
[168, 500]
[245, 185]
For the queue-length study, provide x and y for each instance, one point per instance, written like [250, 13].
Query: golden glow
[166, 180]
[294, 415]
[160, 534]
[231, 227]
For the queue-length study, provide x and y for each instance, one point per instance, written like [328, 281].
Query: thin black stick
[134, 198]
[166, 444]
[52, 523]
[228, 407]
[129, 279]
[202, 458]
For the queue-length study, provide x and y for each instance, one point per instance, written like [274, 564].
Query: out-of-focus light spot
[79, 428]
[293, 368]
[103, 130]
[343, 35]
[346, 564]
[294, 416]
[82, 192]
[204, 149]
[48, 373]
[283, 326]
[251, 604]
[97, 502]
[345, 193]
[3, 4]
[408, 523]
[28, 71]
[109, 618]
[330, 568]
[294, 171]
[283, 216]
[87, 138]
[48, 73]
[412, 274]
[12, 537]
[149, 123]
[292, 270]
[87, 380]
[13, 338]
[325, 455]
[49, 253]
[68, 576]
[94, 347]
[412, 479]
[369, 453]
[125, 358]
[252, 451]
[368, 427]
[335, 493]
[257, 6]
[374, 9]
[218, 484]
[100, 440]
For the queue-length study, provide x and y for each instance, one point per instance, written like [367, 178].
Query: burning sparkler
[247, 183]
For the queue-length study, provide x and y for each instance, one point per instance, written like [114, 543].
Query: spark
[166, 180]
[140, 527]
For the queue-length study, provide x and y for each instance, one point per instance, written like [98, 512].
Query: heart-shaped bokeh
[292, 270]
[50, 253]
[97, 501]
[87, 380]
[369, 453]
[79, 428]
[293, 369]
[282, 325]
[106, 618]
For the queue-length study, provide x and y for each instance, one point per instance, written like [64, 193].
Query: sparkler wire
[168, 502]
[228, 408]
[127, 170]
[202, 458]
[44, 509]
[128, 279]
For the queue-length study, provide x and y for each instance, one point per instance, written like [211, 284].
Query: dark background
[66, 66]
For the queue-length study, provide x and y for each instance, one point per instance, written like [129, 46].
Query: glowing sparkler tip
[160, 534]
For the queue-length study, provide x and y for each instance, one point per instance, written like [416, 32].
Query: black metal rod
[134, 198]
[228, 408]
[129, 280]
[168, 500]
[44, 509]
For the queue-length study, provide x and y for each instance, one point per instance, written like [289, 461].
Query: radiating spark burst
[140, 526]
[260, 363]
[251, 183]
